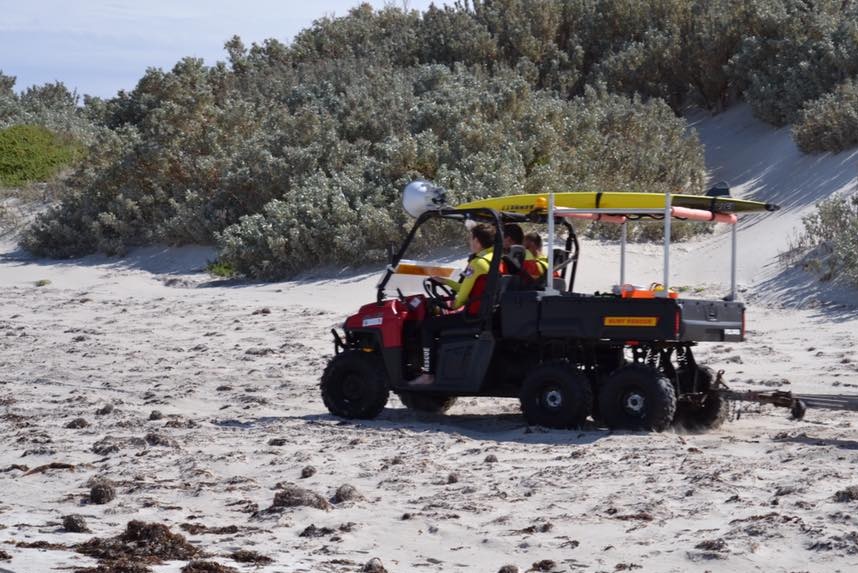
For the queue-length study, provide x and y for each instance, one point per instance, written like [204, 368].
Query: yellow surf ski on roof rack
[617, 200]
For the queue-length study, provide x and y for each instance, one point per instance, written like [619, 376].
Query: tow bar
[797, 404]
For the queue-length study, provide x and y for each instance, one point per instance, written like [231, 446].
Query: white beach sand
[154, 332]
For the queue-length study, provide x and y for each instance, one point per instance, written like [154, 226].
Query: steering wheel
[438, 292]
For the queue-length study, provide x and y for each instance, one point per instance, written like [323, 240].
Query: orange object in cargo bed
[633, 291]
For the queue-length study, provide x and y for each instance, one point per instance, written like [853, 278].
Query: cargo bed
[528, 315]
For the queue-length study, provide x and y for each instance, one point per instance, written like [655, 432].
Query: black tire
[696, 416]
[637, 397]
[354, 385]
[556, 396]
[708, 415]
[704, 382]
[429, 403]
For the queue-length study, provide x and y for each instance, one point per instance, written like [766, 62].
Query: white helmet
[421, 196]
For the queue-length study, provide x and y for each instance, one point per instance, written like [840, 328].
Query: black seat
[514, 260]
[560, 256]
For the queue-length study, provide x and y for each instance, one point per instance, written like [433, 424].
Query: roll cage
[493, 280]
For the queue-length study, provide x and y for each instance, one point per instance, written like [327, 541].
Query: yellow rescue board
[617, 200]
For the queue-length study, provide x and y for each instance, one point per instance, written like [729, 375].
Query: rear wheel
[354, 385]
[556, 396]
[703, 412]
[430, 403]
[637, 397]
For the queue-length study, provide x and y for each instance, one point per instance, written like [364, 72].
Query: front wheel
[555, 395]
[637, 397]
[354, 385]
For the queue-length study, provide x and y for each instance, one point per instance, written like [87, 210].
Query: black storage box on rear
[712, 321]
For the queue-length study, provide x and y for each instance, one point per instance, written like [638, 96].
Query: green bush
[800, 51]
[30, 153]
[51, 106]
[595, 142]
[827, 244]
[198, 154]
[829, 123]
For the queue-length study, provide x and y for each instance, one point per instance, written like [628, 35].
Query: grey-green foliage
[50, 105]
[829, 123]
[828, 241]
[323, 154]
[285, 150]
[320, 221]
[477, 146]
[800, 51]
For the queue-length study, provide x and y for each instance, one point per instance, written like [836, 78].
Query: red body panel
[389, 317]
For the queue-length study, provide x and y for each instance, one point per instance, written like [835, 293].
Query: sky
[98, 47]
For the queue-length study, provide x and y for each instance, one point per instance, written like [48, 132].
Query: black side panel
[463, 361]
[712, 321]
[607, 318]
[393, 365]
[520, 314]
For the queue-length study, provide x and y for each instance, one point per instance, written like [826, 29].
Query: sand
[232, 371]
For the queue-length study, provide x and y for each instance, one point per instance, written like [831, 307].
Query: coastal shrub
[599, 141]
[30, 153]
[826, 245]
[289, 156]
[829, 123]
[51, 106]
[799, 51]
[280, 185]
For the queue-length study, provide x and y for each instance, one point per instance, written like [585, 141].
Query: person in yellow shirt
[536, 264]
[469, 290]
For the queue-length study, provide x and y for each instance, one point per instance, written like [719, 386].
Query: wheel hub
[352, 387]
[553, 399]
[634, 403]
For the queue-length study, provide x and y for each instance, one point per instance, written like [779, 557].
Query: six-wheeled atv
[623, 359]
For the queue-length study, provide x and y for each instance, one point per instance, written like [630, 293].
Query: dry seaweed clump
[294, 496]
[249, 556]
[207, 567]
[198, 528]
[146, 542]
[75, 524]
[345, 493]
[119, 566]
[846, 495]
[102, 492]
[374, 565]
